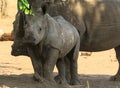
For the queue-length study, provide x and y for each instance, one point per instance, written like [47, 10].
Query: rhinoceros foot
[75, 82]
[60, 80]
[37, 77]
[115, 78]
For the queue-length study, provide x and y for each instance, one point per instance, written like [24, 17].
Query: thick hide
[49, 41]
[96, 20]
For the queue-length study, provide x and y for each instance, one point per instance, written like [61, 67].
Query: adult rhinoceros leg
[50, 61]
[117, 76]
[60, 78]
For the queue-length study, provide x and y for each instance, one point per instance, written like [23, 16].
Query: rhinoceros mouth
[19, 52]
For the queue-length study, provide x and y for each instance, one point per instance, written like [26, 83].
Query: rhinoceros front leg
[60, 78]
[50, 61]
[117, 76]
[37, 65]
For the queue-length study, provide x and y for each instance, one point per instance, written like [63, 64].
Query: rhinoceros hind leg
[73, 56]
[75, 82]
[60, 80]
[117, 76]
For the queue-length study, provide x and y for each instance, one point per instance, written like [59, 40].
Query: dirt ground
[16, 72]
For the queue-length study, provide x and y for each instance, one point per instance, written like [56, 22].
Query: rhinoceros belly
[103, 27]
[101, 36]
[104, 38]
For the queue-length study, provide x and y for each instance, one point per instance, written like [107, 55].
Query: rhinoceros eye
[40, 29]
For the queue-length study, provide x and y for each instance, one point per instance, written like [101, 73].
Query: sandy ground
[16, 72]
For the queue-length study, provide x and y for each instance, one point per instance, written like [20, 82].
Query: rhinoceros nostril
[40, 29]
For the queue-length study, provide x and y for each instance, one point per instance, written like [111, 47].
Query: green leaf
[25, 2]
[25, 7]
[26, 11]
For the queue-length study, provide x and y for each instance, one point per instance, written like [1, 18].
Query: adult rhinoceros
[98, 22]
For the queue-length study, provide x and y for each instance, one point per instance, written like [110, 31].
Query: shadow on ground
[26, 81]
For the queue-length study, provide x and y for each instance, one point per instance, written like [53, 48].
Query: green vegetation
[25, 7]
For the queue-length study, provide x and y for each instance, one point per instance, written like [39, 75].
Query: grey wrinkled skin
[96, 20]
[49, 41]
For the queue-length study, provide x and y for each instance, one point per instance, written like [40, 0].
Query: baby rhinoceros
[50, 41]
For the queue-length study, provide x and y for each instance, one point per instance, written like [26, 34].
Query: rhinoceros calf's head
[34, 27]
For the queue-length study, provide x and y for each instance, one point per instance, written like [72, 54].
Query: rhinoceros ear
[41, 10]
[37, 11]
[44, 8]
